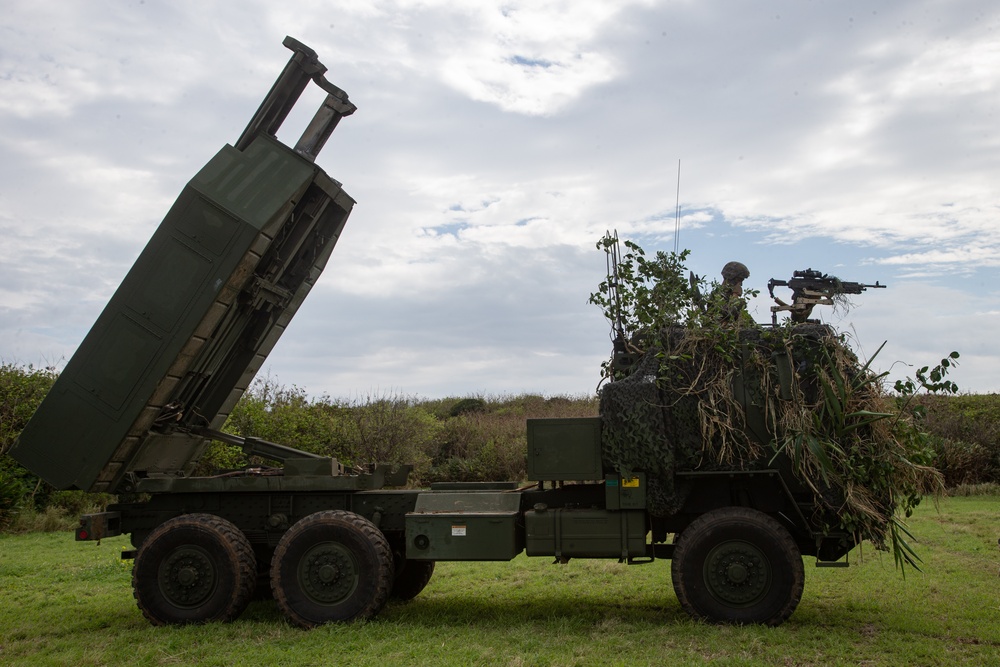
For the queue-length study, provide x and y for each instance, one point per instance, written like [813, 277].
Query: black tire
[331, 566]
[411, 578]
[194, 568]
[737, 565]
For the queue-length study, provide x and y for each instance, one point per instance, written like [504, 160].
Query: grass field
[67, 603]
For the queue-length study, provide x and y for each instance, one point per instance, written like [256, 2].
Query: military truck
[182, 338]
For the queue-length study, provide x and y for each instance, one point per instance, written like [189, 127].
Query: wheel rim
[737, 573]
[187, 577]
[328, 573]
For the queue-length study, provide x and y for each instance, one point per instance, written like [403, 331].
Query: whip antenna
[677, 211]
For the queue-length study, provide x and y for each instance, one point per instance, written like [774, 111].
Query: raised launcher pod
[203, 305]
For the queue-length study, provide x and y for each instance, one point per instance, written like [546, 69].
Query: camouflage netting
[676, 410]
[726, 399]
[639, 433]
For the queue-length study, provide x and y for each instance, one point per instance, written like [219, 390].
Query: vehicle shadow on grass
[440, 611]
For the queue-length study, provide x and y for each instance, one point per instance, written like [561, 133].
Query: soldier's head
[734, 273]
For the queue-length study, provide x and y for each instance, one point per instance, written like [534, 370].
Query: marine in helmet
[734, 273]
[727, 299]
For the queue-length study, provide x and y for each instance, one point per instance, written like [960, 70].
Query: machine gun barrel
[812, 288]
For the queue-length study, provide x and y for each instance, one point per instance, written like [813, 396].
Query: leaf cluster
[644, 293]
[866, 446]
[642, 296]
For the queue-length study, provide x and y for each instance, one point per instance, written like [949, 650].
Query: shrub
[467, 405]
[12, 492]
[981, 489]
[963, 462]
[45, 520]
[22, 388]
[966, 432]
[384, 429]
[76, 503]
[479, 447]
[271, 411]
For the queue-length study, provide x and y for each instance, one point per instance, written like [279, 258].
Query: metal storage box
[464, 526]
[564, 449]
[625, 493]
[585, 533]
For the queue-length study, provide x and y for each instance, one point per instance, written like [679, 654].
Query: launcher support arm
[304, 66]
[258, 447]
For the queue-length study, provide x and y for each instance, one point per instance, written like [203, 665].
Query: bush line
[478, 438]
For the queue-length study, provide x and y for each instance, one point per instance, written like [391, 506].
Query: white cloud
[494, 143]
[531, 84]
[954, 257]
[532, 58]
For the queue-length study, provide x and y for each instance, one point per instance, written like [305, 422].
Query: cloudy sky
[493, 145]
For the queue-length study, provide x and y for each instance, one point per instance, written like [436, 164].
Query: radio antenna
[677, 211]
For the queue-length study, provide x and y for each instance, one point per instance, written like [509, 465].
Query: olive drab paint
[201, 308]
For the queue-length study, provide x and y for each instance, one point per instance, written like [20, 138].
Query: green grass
[71, 603]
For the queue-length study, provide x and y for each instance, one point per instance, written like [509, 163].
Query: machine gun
[811, 288]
